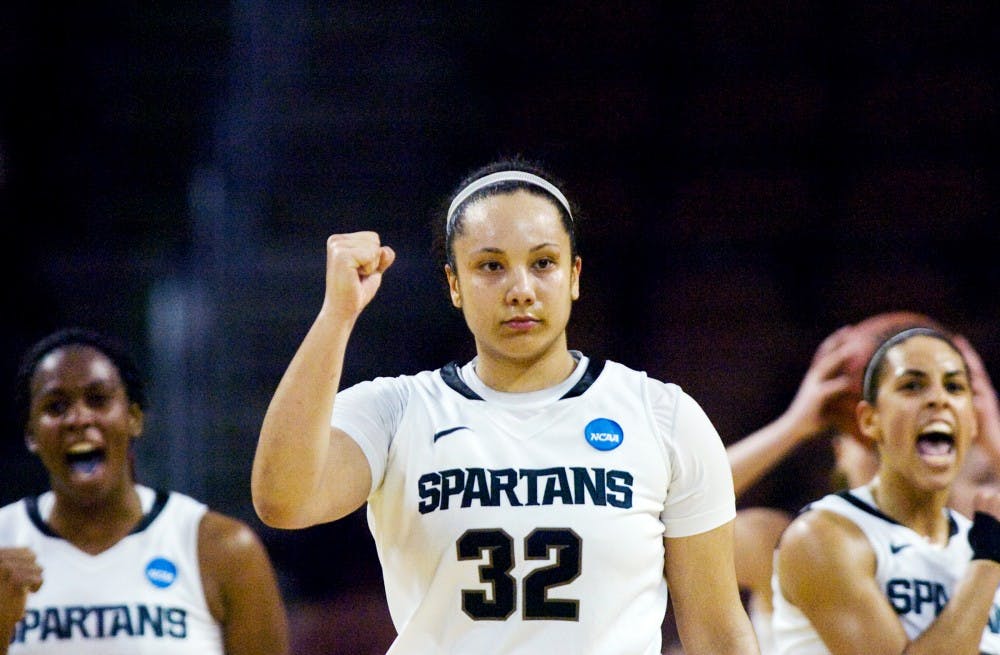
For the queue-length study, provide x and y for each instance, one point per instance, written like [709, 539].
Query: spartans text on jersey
[464, 487]
[101, 622]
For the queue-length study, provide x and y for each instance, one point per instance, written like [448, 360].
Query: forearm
[11, 610]
[757, 454]
[736, 638]
[959, 627]
[293, 447]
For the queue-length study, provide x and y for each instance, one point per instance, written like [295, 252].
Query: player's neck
[920, 510]
[93, 528]
[520, 375]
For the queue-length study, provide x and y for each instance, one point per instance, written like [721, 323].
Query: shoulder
[222, 536]
[819, 547]
[387, 387]
[11, 515]
[16, 506]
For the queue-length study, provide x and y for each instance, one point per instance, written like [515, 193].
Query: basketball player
[807, 417]
[532, 500]
[99, 564]
[887, 567]
[831, 386]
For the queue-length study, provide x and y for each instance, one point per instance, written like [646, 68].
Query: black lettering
[28, 622]
[476, 488]
[51, 625]
[993, 623]
[452, 484]
[430, 496]
[147, 620]
[177, 619]
[898, 592]
[531, 476]
[940, 598]
[620, 489]
[556, 486]
[121, 622]
[504, 481]
[584, 485]
[75, 616]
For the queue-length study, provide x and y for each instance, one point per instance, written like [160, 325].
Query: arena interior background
[752, 176]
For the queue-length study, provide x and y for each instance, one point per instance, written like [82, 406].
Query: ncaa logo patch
[604, 434]
[161, 572]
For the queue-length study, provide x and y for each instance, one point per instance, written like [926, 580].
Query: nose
[521, 291]
[938, 395]
[78, 414]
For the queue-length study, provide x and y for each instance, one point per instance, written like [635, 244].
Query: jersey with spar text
[530, 523]
[916, 576]
[142, 596]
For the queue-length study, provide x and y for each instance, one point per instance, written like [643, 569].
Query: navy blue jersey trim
[594, 368]
[449, 373]
[874, 511]
[31, 503]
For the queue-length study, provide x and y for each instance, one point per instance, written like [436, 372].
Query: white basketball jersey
[527, 523]
[917, 577]
[143, 596]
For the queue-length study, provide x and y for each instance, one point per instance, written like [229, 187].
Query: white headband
[497, 178]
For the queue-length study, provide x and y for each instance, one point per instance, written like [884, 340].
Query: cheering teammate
[102, 565]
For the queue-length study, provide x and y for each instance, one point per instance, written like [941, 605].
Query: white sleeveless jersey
[533, 523]
[143, 596]
[917, 577]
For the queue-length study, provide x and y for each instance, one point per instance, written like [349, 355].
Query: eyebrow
[541, 246]
[922, 373]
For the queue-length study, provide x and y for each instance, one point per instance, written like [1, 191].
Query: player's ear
[575, 278]
[135, 419]
[868, 425]
[453, 288]
[30, 443]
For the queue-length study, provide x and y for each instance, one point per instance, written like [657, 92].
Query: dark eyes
[916, 384]
[493, 266]
[59, 405]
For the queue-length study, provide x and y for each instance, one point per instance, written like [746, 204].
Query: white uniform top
[142, 596]
[761, 622]
[918, 577]
[533, 523]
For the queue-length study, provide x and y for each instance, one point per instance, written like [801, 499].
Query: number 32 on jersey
[499, 549]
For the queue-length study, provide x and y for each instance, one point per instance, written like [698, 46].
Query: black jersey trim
[449, 373]
[594, 368]
[874, 511]
[31, 503]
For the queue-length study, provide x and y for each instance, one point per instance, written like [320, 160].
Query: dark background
[752, 176]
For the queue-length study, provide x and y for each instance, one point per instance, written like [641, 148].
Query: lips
[521, 322]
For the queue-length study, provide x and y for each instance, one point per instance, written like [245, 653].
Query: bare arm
[757, 531]
[758, 453]
[304, 473]
[826, 567]
[241, 588]
[19, 575]
[702, 583]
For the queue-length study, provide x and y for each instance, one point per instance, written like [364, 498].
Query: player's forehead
[73, 366]
[924, 354]
[517, 219]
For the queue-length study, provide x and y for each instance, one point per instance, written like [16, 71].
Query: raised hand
[354, 266]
